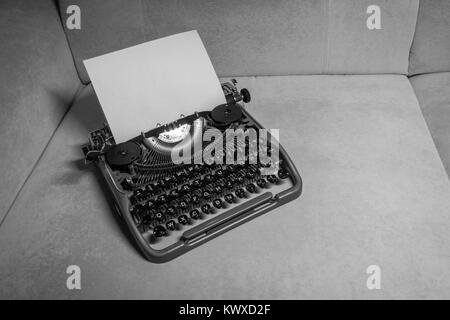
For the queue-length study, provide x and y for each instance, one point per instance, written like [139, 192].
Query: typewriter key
[183, 205]
[171, 225]
[231, 168]
[261, 183]
[159, 231]
[251, 188]
[229, 198]
[229, 184]
[240, 193]
[174, 193]
[161, 184]
[162, 199]
[218, 189]
[158, 215]
[206, 208]
[240, 179]
[208, 178]
[148, 217]
[219, 173]
[183, 219]
[197, 183]
[206, 194]
[171, 210]
[218, 203]
[250, 174]
[272, 178]
[195, 199]
[185, 188]
[283, 174]
[195, 214]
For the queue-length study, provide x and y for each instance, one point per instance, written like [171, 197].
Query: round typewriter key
[159, 231]
[149, 188]
[195, 199]
[162, 198]
[183, 205]
[229, 198]
[206, 208]
[171, 225]
[240, 179]
[158, 215]
[185, 188]
[171, 210]
[182, 174]
[250, 174]
[261, 183]
[195, 214]
[229, 184]
[208, 178]
[162, 184]
[150, 204]
[218, 203]
[218, 189]
[206, 194]
[197, 183]
[147, 218]
[183, 219]
[240, 193]
[251, 188]
[272, 179]
[174, 193]
[230, 168]
[219, 173]
[283, 174]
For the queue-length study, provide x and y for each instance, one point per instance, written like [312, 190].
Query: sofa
[364, 114]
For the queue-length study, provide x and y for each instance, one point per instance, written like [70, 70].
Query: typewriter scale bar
[172, 208]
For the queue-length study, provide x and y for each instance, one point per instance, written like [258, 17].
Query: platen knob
[246, 97]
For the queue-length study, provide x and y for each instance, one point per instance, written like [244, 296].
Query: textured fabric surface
[433, 93]
[256, 37]
[430, 51]
[375, 192]
[37, 82]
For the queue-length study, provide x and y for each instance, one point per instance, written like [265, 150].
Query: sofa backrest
[256, 37]
[37, 83]
[430, 51]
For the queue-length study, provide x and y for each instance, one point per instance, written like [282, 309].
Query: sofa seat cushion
[375, 193]
[433, 92]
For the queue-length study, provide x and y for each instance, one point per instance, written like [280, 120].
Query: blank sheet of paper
[154, 82]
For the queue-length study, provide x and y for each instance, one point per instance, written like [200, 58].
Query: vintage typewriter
[171, 199]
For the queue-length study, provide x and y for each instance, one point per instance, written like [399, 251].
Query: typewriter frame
[209, 229]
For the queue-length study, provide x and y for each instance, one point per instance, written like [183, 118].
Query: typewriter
[182, 184]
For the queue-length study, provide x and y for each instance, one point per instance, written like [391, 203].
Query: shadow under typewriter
[171, 199]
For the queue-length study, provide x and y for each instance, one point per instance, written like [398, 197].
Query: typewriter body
[171, 199]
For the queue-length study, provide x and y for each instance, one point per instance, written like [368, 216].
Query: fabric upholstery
[433, 93]
[375, 192]
[430, 51]
[38, 81]
[256, 37]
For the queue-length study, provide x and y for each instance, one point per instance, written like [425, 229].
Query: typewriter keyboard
[165, 208]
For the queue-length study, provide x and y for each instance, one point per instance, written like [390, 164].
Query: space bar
[232, 213]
